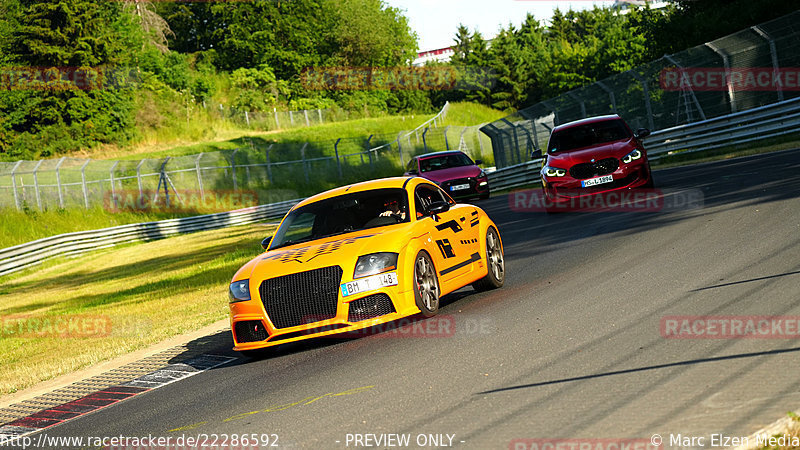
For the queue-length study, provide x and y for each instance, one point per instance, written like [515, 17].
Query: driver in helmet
[392, 208]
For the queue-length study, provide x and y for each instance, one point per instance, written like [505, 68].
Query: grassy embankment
[130, 298]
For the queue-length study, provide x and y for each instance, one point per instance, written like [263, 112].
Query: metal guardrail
[22, 256]
[755, 124]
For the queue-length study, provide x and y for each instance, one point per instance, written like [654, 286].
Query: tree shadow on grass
[159, 264]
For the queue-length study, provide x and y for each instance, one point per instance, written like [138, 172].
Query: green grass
[146, 292]
[325, 134]
[354, 135]
[469, 114]
[19, 227]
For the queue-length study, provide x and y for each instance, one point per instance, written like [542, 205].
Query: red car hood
[440, 176]
[613, 150]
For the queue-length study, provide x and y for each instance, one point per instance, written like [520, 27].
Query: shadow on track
[642, 369]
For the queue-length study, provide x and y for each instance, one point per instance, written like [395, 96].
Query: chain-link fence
[748, 69]
[266, 172]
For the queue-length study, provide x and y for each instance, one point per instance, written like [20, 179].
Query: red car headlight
[632, 156]
[554, 172]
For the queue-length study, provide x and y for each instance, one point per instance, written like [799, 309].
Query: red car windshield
[444, 162]
[583, 136]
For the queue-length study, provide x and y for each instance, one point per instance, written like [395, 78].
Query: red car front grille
[590, 170]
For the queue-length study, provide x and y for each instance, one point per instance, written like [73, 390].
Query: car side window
[424, 196]
[412, 166]
[446, 197]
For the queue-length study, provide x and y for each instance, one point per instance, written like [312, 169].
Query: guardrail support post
[83, 181]
[610, 96]
[646, 94]
[291, 117]
[277, 122]
[303, 156]
[319, 112]
[424, 140]
[14, 183]
[110, 178]
[400, 149]
[727, 64]
[139, 177]
[305, 112]
[530, 118]
[58, 181]
[200, 177]
[338, 161]
[774, 53]
[580, 101]
[685, 82]
[369, 153]
[36, 184]
[516, 139]
[233, 169]
[446, 142]
[269, 164]
[555, 112]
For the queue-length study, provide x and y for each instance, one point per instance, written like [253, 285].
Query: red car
[453, 171]
[593, 156]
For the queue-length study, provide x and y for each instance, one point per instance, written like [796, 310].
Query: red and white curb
[171, 373]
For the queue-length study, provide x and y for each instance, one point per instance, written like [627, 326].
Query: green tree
[9, 20]
[61, 115]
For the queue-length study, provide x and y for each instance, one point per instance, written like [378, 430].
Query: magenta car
[453, 171]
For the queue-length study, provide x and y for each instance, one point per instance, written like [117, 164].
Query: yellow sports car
[361, 255]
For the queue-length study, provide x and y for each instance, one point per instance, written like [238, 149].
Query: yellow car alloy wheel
[426, 285]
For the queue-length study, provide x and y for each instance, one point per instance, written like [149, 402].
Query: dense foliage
[145, 66]
[532, 62]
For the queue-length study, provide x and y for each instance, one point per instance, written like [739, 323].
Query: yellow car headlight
[375, 263]
[239, 291]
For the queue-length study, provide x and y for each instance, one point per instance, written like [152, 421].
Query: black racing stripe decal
[472, 259]
[406, 182]
[475, 219]
[451, 224]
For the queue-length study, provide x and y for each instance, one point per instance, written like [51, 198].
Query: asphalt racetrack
[575, 346]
